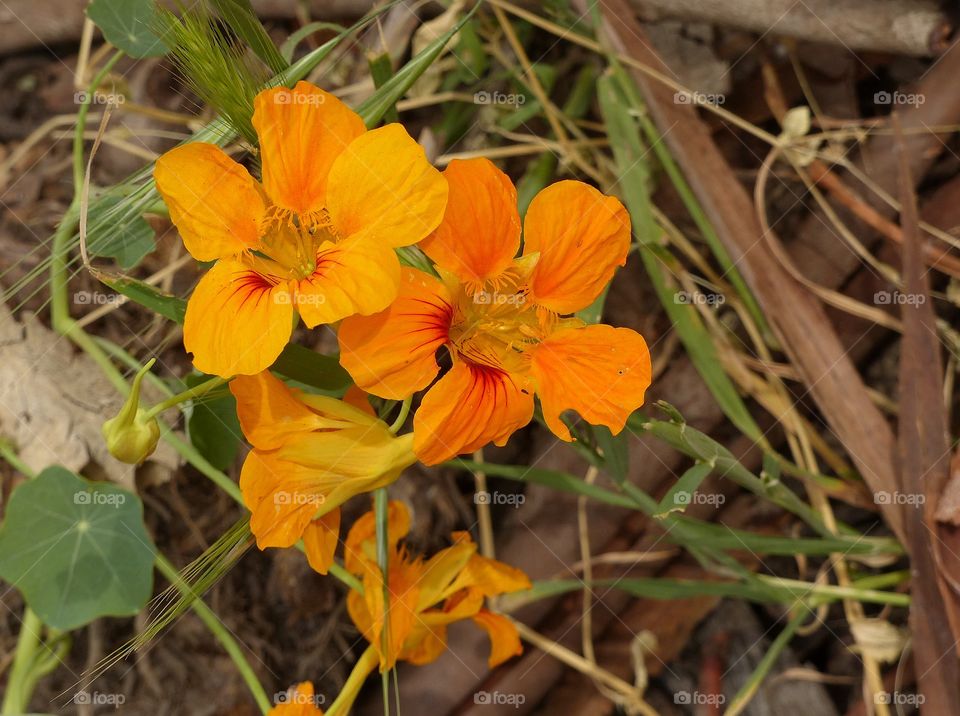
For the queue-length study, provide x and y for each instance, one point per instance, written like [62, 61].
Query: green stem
[348, 694]
[189, 394]
[219, 631]
[402, 416]
[22, 679]
[381, 510]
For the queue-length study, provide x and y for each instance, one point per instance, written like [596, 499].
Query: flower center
[292, 241]
[494, 326]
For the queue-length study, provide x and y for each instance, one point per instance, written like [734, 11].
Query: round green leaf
[76, 549]
[128, 25]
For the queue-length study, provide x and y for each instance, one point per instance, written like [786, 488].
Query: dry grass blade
[799, 320]
[924, 463]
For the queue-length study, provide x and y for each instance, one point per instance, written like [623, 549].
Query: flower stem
[189, 394]
[348, 694]
[22, 679]
[402, 416]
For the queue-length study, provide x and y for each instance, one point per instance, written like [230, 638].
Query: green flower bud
[132, 436]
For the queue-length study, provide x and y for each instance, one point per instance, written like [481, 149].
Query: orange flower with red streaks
[506, 320]
[315, 237]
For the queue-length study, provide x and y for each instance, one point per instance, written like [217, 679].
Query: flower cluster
[315, 239]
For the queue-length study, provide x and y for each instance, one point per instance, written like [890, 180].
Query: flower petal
[469, 407]
[320, 540]
[391, 354]
[213, 201]
[365, 530]
[281, 498]
[480, 232]
[600, 371]
[352, 276]
[581, 236]
[383, 188]
[491, 577]
[269, 411]
[299, 701]
[237, 321]
[302, 131]
[504, 638]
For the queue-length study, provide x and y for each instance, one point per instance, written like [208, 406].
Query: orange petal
[365, 530]
[504, 638]
[359, 398]
[280, 498]
[213, 201]
[480, 233]
[302, 131]
[491, 577]
[299, 701]
[391, 354]
[426, 646]
[600, 371]
[581, 236]
[320, 540]
[469, 407]
[269, 411]
[352, 277]
[237, 321]
[383, 188]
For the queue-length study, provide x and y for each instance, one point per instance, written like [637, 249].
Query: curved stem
[348, 694]
[402, 416]
[189, 394]
[21, 681]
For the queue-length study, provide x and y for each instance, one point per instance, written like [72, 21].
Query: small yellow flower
[310, 454]
[426, 595]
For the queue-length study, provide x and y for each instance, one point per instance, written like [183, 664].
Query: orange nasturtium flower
[506, 321]
[316, 236]
[298, 701]
[311, 453]
[426, 596]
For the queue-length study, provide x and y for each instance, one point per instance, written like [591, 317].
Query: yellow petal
[213, 201]
[600, 371]
[352, 277]
[581, 236]
[237, 321]
[302, 131]
[382, 187]
[491, 577]
[391, 354]
[281, 498]
[269, 411]
[320, 540]
[504, 638]
[480, 233]
[469, 407]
